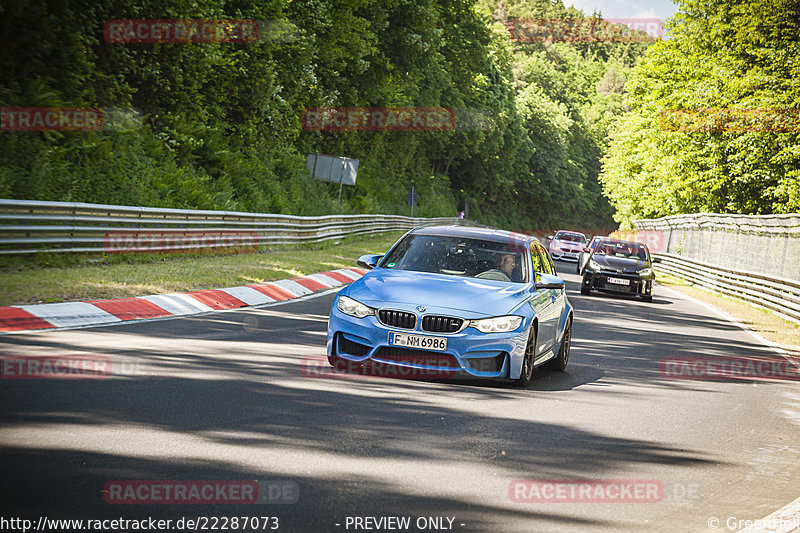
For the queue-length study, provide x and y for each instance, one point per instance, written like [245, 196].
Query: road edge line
[768, 343]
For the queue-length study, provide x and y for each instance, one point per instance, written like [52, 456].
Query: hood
[567, 244]
[479, 298]
[611, 262]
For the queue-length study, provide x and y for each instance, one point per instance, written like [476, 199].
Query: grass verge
[65, 280]
[770, 326]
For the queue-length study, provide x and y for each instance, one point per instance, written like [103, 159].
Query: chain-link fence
[767, 244]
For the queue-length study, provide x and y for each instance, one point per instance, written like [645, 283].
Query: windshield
[571, 237]
[458, 256]
[623, 250]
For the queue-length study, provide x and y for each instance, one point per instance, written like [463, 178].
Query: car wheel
[526, 374]
[333, 360]
[647, 298]
[585, 290]
[561, 360]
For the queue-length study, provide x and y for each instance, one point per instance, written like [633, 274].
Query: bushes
[221, 122]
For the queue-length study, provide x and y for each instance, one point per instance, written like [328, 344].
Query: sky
[662, 9]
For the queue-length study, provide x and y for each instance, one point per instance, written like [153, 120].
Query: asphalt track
[229, 396]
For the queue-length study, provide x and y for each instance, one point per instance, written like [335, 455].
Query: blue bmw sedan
[456, 301]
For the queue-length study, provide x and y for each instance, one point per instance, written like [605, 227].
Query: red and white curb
[98, 312]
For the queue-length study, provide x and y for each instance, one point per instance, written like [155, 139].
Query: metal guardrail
[28, 227]
[780, 295]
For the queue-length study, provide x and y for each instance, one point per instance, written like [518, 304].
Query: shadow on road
[233, 380]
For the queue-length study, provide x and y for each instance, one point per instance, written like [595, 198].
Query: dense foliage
[714, 118]
[221, 122]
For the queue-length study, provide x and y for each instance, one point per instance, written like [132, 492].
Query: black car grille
[488, 364]
[397, 319]
[441, 324]
[346, 346]
[635, 283]
[416, 357]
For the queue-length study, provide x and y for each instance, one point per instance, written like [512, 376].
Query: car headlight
[499, 324]
[592, 265]
[646, 271]
[354, 308]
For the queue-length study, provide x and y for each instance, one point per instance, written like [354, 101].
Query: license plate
[618, 281]
[571, 254]
[418, 341]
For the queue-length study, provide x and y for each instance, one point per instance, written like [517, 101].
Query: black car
[587, 250]
[622, 267]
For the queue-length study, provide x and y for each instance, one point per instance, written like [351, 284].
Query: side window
[547, 262]
[536, 263]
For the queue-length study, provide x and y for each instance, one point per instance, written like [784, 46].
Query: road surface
[235, 396]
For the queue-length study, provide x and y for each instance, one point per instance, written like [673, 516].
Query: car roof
[620, 241]
[473, 232]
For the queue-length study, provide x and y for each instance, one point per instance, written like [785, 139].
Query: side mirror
[549, 237]
[586, 249]
[655, 259]
[548, 281]
[369, 261]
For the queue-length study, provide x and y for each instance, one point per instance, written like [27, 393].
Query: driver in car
[505, 266]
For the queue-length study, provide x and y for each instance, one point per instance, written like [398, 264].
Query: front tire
[561, 360]
[526, 374]
[585, 288]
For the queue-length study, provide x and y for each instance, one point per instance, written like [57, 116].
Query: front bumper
[564, 255]
[468, 353]
[621, 283]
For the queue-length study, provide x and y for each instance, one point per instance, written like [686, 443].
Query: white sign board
[336, 169]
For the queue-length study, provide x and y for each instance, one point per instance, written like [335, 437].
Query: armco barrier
[35, 226]
[780, 295]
